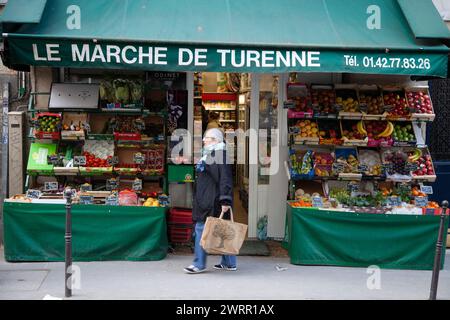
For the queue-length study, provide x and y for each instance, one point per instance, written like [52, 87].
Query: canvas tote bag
[224, 237]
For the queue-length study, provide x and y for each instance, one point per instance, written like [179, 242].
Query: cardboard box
[73, 119]
[37, 160]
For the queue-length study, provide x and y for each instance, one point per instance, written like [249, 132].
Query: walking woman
[213, 193]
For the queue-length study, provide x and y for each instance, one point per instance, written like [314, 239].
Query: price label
[288, 105]
[404, 188]
[33, 194]
[79, 160]
[362, 168]
[112, 184]
[112, 200]
[113, 161]
[388, 108]
[421, 201]
[338, 107]
[394, 201]
[51, 186]
[87, 127]
[53, 160]
[338, 167]
[137, 184]
[353, 187]
[387, 167]
[139, 125]
[317, 202]
[86, 199]
[139, 158]
[363, 107]
[426, 189]
[86, 187]
[411, 166]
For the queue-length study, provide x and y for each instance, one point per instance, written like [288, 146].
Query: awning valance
[362, 36]
[23, 11]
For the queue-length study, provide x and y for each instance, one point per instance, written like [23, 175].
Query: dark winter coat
[213, 188]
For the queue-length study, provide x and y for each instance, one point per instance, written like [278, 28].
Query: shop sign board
[142, 56]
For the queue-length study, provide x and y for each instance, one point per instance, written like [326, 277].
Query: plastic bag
[128, 198]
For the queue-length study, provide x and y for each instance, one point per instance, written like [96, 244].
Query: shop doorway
[247, 107]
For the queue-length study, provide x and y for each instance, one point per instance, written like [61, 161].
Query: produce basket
[47, 126]
[300, 102]
[330, 132]
[305, 132]
[395, 164]
[347, 101]
[395, 103]
[346, 164]
[420, 104]
[422, 157]
[370, 163]
[73, 125]
[371, 102]
[323, 101]
[379, 133]
[403, 135]
[301, 164]
[323, 164]
[353, 133]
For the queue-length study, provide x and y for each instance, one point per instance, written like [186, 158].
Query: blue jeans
[200, 254]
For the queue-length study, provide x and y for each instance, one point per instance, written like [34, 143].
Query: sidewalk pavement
[257, 278]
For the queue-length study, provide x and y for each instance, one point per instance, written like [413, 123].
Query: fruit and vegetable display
[299, 95]
[305, 129]
[404, 133]
[423, 162]
[301, 164]
[353, 130]
[349, 163]
[373, 101]
[397, 101]
[323, 98]
[323, 164]
[419, 101]
[47, 125]
[371, 160]
[348, 99]
[395, 162]
[329, 132]
[100, 149]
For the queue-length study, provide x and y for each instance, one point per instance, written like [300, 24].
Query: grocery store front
[268, 42]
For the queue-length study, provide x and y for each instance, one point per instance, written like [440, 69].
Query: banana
[361, 129]
[388, 131]
[416, 155]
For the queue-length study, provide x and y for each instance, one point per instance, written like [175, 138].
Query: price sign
[86, 187]
[363, 107]
[338, 107]
[87, 199]
[317, 202]
[288, 105]
[426, 189]
[139, 158]
[353, 187]
[404, 187]
[394, 201]
[388, 108]
[112, 200]
[338, 167]
[87, 127]
[421, 201]
[387, 167]
[51, 186]
[137, 184]
[33, 194]
[53, 159]
[113, 161]
[362, 168]
[411, 166]
[79, 160]
[139, 125]
[112, 184]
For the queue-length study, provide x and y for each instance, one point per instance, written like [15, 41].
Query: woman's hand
[225, 208]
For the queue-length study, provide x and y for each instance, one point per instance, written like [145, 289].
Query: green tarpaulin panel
[320, 237]
[23, 11]
[424, 19]
[226, 35]
[35, 232]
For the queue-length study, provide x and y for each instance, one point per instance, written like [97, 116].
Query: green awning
[227, 35]
[424, 19]
[23, 11]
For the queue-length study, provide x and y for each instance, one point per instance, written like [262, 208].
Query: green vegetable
[122, 91]
[136, 91]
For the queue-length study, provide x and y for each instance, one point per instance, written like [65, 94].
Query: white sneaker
[193, 269]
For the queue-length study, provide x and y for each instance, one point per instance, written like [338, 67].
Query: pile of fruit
[307, 129]
[300, 103]
[398, 160]
[398, 103]
[329, 130]
[353, 130]
[99, 148]
[373, 101]
[372, 160]
[403, 133]
[323, 164]
[301, 163]
[420, 102]
[349, 104]
[324, 98]
[151, 202]
[377, 129]
[425, 166]
[93, 161]
[350, 163]
[48, 123]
